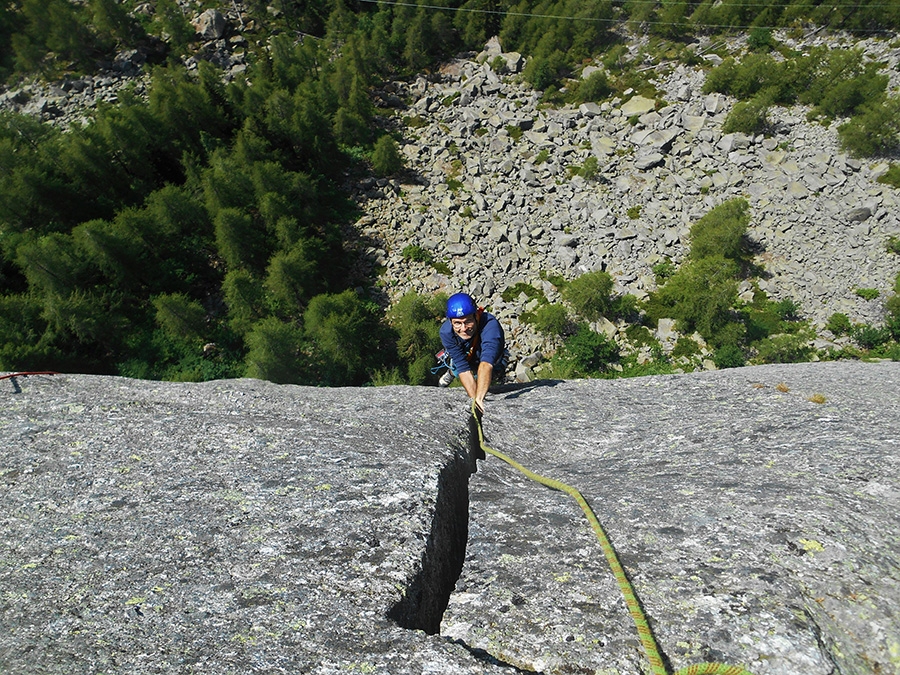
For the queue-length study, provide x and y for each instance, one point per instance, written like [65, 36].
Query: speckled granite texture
[245, 527]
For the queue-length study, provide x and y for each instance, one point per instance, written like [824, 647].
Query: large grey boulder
[242, 526]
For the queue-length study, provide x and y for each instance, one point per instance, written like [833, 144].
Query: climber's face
[464, 327]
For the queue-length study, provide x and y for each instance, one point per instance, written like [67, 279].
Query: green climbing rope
[657, 666]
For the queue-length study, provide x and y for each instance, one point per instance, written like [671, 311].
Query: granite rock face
[758, 527]
[227, 527]
[240, 526]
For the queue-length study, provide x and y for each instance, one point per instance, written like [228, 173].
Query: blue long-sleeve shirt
[491, 343]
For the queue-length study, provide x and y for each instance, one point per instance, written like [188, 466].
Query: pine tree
[238, 240]
[386, 158]
[341, 330]
[180, 316]
[245, 299]
[274, 352]
[293, 277]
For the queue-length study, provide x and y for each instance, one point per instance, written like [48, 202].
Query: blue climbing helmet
[459, 305]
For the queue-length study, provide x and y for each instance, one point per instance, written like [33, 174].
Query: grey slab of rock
[758, 527]
[234, 526]
[241, 526]
[638, 105]
[648, 161]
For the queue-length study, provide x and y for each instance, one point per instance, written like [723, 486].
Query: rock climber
[474, 347]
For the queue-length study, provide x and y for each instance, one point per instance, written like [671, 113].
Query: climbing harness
[26, 374]
[657, 666]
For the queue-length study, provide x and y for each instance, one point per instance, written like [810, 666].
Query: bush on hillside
[729, 356]
[748, 117]
[416, 321]
[590, 295]
[839, 323]
[386, 158]
[551, 319]
[274, 351]
[722, 232]
[585, 354]
[595, 87]
[700, 296]
[875, 131]
[784, 348]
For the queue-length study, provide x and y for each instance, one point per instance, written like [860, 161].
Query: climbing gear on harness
[444, 361]
[648, 641]
[460, 305]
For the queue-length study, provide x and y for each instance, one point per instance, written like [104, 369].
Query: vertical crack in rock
[427, 596]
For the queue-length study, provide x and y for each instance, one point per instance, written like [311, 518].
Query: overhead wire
[686, 22]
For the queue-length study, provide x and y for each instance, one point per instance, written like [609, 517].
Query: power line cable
[686, 22]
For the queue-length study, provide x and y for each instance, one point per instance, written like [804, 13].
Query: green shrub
[700, 296]
[760, 39]
[588, 170]
[586, 353]
[722, 232]
[541, 157]
[893, 245]
[745, 79]
[748, 117]
[869, 337]
[414, 121]
[787, 309]
[764, 317]
[512, 292]
[784, 348]
[589, 295]
[442, 267]
[551, 319]
[543, 71]
[595, 87]
[685, 347]
[839, 324]
[867, 293]
[891, 177]
[875, 131]
[515, 133]
[385, 377]
[274, 349]
[386, 157]
[179, 316]
[634, 212]
[416, 321]
[663, 270]
[640, 336]
[729, 356]
[417, 253]
[340, 327]
[892, 352]
[558, 280]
